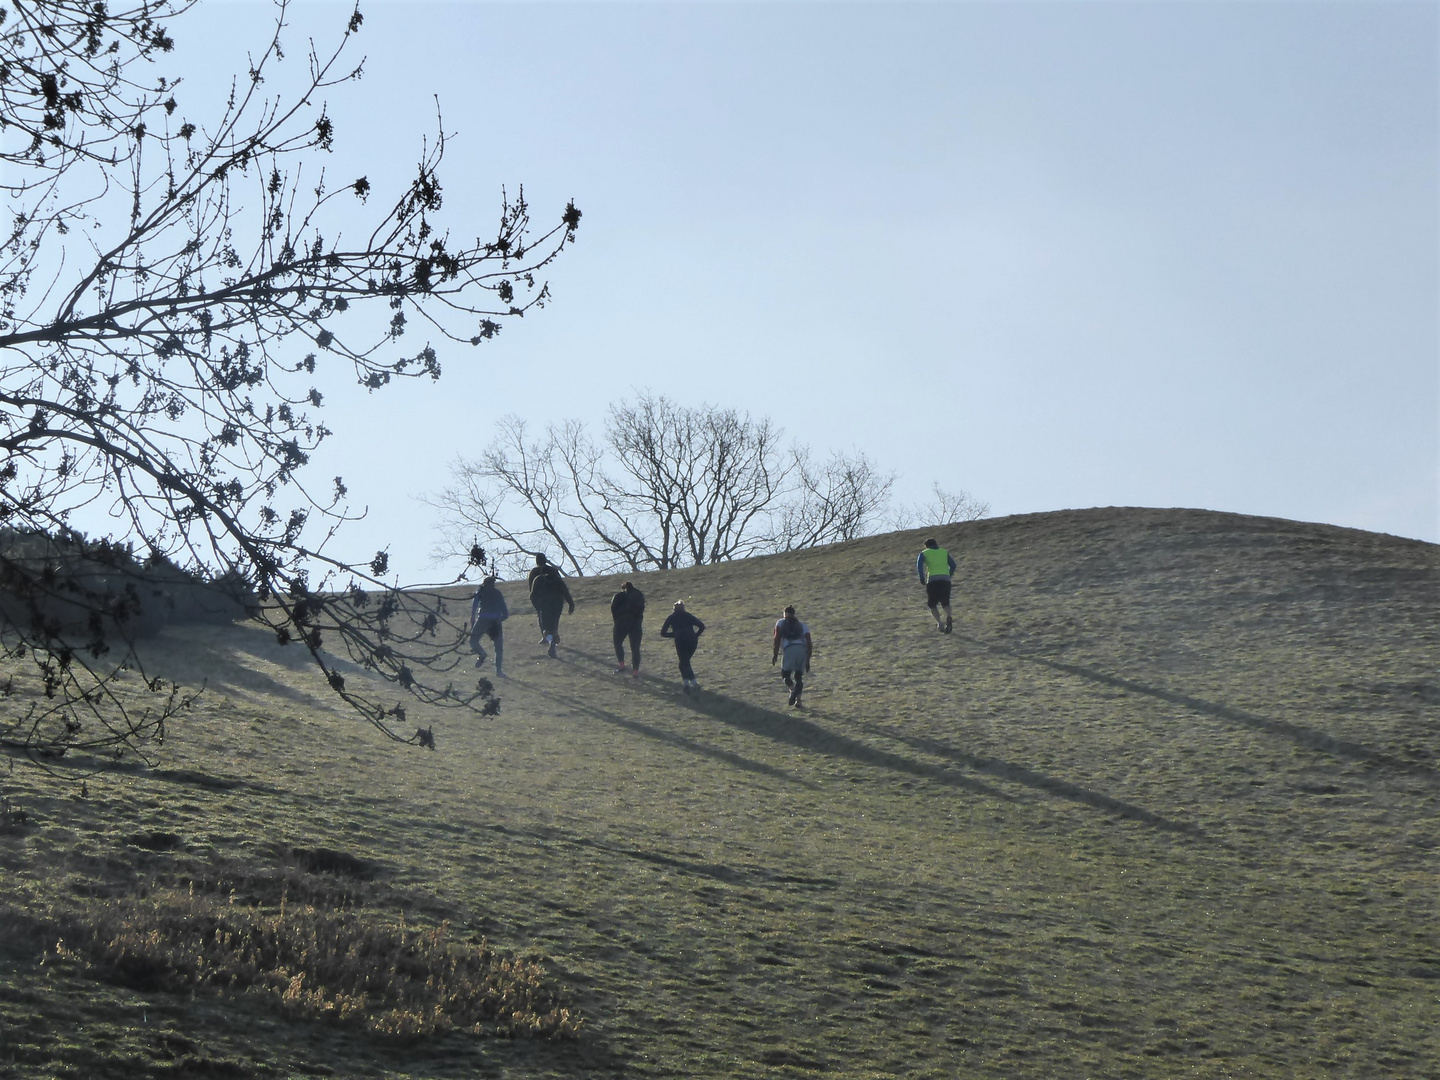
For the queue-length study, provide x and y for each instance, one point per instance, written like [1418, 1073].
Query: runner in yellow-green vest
[935, 565]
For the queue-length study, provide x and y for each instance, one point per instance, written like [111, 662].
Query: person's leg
[683, 653]
[799, 688]
[635, 649]
[476, 633]
[550, 624]
[935, 595]
[497, 635]
[618, 637]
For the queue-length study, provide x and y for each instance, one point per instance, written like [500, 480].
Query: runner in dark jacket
[686, 630]
[627, 609]
[542, 566]
[549, 594]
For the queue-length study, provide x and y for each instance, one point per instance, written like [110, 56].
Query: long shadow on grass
[805, 734]
[1019, 774]
[808, 735]
[218, 667]
[79, 766]
[730, 875]
[649, 731]
[1297, 733]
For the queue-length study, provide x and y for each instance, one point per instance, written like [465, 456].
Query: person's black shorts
[937, 592]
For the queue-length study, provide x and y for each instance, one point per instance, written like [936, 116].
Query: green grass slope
[1164, 804]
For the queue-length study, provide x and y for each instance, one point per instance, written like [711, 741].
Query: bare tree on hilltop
[176, 291]
[666, 486]
[944, 507]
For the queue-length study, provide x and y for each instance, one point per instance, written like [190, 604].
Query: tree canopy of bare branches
[176, 291]
[665, 486]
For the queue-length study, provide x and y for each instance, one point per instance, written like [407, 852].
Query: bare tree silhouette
[175, 293]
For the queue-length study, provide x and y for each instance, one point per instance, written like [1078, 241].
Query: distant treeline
[69, 590]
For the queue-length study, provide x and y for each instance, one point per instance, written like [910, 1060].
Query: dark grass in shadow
[1297, 733]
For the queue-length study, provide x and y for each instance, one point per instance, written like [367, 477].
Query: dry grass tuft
[353, 968]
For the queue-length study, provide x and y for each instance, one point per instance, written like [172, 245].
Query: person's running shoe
[635, 673]
[695, 685]
[794, 697]
[551, 654]
[949, 624]
[620, 670]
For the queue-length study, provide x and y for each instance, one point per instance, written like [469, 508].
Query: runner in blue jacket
[488, 612]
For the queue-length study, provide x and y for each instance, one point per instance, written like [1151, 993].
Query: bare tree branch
[174, 294]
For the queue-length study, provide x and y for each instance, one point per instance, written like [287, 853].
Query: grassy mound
[1167, 802]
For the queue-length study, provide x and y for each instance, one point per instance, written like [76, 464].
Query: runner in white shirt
[792, 638]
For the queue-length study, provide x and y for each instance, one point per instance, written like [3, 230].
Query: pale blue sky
[1059, 255]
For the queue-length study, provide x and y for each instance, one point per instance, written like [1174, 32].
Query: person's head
[932, 543]
[679, 605]
[627, 586]
[489, 580]
[539, 559]
[789, 611]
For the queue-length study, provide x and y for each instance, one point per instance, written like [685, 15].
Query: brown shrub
[349, 967]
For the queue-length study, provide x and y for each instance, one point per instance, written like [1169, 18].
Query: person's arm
[920, 567]
[775, 645]
[951, 559]
[667, 628]
[565, 591]
[474, 608]
[504, 607]
[617, 605]
[699, 626]
[809, 648]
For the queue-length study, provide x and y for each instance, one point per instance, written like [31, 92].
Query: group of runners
[791, 644]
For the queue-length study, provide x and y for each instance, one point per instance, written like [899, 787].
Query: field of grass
[1166, 803]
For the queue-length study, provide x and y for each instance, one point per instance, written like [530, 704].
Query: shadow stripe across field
[1298, 733]
[808, 735]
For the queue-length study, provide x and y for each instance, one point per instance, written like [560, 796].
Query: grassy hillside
[1166, 803]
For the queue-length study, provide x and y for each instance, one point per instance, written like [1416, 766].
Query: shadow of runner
[1019, 774]
[730, 875]
[669, 737]
[807, 735]
[1297, 733]
[80, 765]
